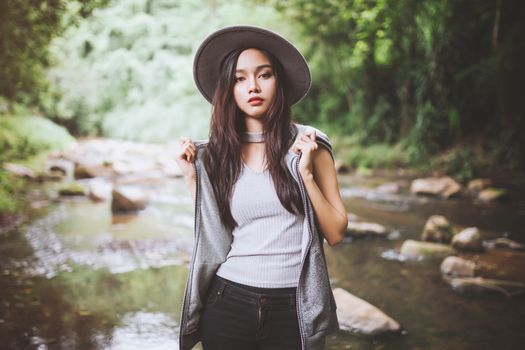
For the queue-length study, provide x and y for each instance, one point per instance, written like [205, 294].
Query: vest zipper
[310, 234]
[187, 288]
[298, 290]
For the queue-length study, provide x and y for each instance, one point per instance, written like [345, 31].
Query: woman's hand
[186, 157]
[306, 144]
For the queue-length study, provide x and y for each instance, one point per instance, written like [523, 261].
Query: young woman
[266, 196]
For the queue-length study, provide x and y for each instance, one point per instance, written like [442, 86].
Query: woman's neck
[252, 125]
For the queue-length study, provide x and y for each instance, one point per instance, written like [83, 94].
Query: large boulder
[358, 316]
[454, 266]
[416, 250]
[437, 229]
[364, 229]
[479, 285]
[445, 187]
[128, 198]
[468, 239]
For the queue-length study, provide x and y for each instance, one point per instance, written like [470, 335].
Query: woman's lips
[255, 101]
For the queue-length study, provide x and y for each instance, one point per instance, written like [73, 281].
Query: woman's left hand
[305, 144]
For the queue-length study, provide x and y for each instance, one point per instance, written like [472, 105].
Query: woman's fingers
[188, 149]
[305, 142]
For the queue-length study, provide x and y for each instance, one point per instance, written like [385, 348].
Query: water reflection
[77, 277]
[145, 330]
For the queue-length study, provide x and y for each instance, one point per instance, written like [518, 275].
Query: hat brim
[219, 44]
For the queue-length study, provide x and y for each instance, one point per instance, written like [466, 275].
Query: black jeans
[240, 317]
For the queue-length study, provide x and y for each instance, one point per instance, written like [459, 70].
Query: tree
[26, 31]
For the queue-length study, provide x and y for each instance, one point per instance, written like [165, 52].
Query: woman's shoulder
[200, 145]
[321, 138]
[302, 128]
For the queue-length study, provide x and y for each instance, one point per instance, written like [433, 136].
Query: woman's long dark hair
[223, 156]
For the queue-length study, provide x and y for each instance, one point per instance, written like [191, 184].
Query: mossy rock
[71, 189]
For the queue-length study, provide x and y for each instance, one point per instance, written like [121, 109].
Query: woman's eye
[266, 75]
[236, 79]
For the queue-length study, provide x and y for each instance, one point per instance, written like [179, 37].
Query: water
[76, 277]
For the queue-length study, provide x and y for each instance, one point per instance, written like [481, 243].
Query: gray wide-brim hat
[219, 44]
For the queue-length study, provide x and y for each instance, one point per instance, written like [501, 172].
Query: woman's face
[255, 83]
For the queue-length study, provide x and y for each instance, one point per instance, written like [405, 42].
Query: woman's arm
[317, 170]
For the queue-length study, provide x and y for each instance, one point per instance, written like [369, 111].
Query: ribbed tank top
[266, 247]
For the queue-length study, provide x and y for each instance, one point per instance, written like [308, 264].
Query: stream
[75, 276]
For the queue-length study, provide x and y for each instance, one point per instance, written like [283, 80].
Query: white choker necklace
[257, 136]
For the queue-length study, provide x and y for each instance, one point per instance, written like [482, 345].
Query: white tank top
[266, 247]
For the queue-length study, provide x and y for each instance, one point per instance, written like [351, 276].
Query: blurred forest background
[397, 83]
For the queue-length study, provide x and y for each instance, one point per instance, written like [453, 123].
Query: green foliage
[373, 156]
[22, 137]
[26, 30]
[94, 291]
[509, 149]
[426, 74]
[10, 188]
[126, 72]
[463, 165]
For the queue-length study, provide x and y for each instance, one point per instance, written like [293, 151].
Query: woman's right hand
[186, 157]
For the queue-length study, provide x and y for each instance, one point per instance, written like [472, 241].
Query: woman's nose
[254, 87]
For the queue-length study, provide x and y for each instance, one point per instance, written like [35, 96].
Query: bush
[23, 137]
[10, 187]
[463, 165]
[374, 156]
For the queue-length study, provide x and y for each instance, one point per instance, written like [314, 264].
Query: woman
[265, 198]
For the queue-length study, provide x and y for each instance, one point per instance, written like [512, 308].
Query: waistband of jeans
[256, 292]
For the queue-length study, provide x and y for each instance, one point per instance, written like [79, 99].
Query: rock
[71, 189]
[19, 170]
[358, 316]
[99, 191]
[458, 267]
[62, 166]
[87, 171]
[415, 249]
[388, 188]
[445, 187]
[483, 285]
[491, 194]
[128, 198]
[361, 229]
[468, 239]
[51, 176]
[341, 167]
[437, 229]
[504, 243]
[477, 185]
